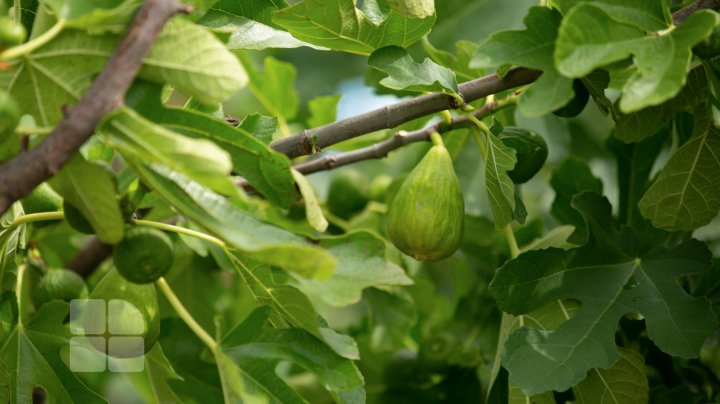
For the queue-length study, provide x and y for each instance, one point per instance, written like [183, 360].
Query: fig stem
[36, 217]
[436, 139]
[28, 47]
[181, 230]
[510, 237]
[185, 315]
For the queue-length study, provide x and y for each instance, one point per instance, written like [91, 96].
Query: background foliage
[596, 281]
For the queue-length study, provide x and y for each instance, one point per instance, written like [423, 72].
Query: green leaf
[246, 33]
[405, 74]
[624, 382]
[532, 48]
[258, 240]
[323, 110]
[611, 278]
[361, 264]
[11, 239]
[499, 159]
[339, 25]
[274, 87]
[209, 79]
[140, 139]
[661, 59]
[569, 178]
[267, 170]
[59, 73]
[258, 10]
[36, 347]
[90, 189]
[160, 373]
[636, 126]
[103, 15]
[413, 8]
[187, 354]
[56, 74]
[261, 127]
[392, 317]
[313, 211]
[290, 307]
[686, 194]
[255, 349]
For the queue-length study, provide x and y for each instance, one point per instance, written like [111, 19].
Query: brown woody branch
[680, 15]
[29, 169]
[396, 114]
[401, 138]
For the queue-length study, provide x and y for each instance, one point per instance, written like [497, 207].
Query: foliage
[593, 278]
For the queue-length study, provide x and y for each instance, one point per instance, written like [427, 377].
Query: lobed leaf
[532, 48]
[403, 73]
[339, 25]
[611, 278]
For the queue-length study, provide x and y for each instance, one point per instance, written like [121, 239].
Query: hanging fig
[425, 220]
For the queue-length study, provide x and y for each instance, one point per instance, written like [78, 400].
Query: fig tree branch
[29, 169]
[388, 117]
[401, 138]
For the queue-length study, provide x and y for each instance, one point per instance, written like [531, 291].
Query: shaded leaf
[625, 382]
[499, 159]
[37, 346]
[255, 349]
[686, 194]
[569, 178]
[611, 279]
[290, 306]
[105, 15]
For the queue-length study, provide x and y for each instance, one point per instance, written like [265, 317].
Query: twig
[401, 138]
[393, 115]
[26, 171]
[685, 12]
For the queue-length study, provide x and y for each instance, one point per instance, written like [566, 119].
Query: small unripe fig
[348, 193]
[143, 255]
[59, 284]
[425, 220]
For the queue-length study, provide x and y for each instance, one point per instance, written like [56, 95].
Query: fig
[348, 193]
[425, 219]
[9, 115]
[59, 284]
[143, 255]
[11, 32]
[531, 152]
[132, 312]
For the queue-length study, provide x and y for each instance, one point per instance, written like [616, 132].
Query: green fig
[348, 193]
[143, 255]
[425, 220]
[59, 284]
